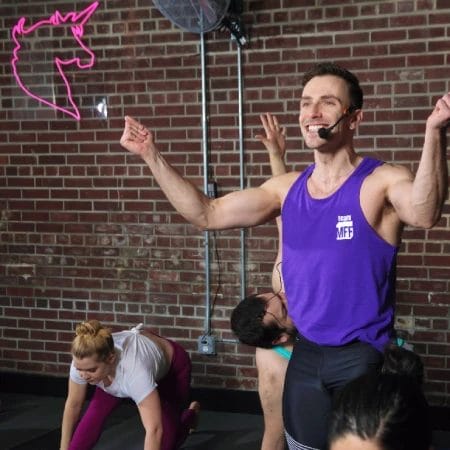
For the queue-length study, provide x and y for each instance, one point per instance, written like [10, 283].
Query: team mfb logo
[29, 56]
[344, 228]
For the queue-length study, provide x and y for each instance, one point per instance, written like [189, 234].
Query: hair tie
[137, 328]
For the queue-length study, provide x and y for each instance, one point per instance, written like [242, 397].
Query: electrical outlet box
[212, 189]
[207, 345]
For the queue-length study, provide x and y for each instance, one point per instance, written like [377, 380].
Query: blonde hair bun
[92, 339]
[90, 327]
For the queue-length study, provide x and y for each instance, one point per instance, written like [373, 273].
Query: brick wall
[85, 232]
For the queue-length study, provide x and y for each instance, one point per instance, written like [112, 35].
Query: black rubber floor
[32, 422]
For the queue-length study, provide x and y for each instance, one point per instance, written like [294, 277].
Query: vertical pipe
[241, 165]
[205, 183]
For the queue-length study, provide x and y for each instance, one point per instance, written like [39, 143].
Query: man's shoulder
[285, 177]
[282, 182]
[390, 169]
[386, 175]
[268, 355]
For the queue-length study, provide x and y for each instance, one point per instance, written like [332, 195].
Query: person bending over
[342, 220]
[261, 320]
[153, 371]
[272, 363]
[384, 409]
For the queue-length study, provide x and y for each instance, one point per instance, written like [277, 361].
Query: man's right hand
[137, 139]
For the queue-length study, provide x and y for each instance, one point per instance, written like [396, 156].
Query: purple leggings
[173, 392]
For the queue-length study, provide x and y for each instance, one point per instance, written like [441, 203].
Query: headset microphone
[325, 133]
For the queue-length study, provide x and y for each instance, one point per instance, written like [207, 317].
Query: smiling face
[92, 370]
[324, 99]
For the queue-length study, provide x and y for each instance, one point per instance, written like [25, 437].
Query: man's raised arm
[419, 201]
[237, 209]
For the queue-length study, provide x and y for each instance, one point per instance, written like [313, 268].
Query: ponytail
[402, 362]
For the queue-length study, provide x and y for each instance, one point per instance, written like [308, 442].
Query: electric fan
[196, 16]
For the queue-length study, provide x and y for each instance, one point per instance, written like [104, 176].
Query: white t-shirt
[141, 364]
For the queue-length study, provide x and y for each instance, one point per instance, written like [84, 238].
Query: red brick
[104, 240]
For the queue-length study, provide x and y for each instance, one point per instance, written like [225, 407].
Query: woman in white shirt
[153, 371]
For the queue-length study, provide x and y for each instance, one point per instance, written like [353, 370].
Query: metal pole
[205, 183]
[241, 166]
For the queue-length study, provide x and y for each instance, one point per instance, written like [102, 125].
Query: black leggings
[313, 376]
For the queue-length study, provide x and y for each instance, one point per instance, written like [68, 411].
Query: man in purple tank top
[342, 220]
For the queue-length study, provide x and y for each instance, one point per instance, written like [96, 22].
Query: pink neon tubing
[78, 30]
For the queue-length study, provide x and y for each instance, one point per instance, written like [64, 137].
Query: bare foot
[195, 406]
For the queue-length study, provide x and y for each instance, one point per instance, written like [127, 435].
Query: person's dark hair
[400, 361]
[248, 326]
[354, 89]
[387, 406]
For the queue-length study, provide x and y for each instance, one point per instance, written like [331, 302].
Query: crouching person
[153, 371]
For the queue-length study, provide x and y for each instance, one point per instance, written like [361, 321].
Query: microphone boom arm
[324, 133]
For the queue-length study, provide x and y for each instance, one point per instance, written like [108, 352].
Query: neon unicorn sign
[76, 22]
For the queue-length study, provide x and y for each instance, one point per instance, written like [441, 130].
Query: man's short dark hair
[354, 89]
[248, 326]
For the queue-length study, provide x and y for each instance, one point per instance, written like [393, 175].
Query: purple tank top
[339, 274]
